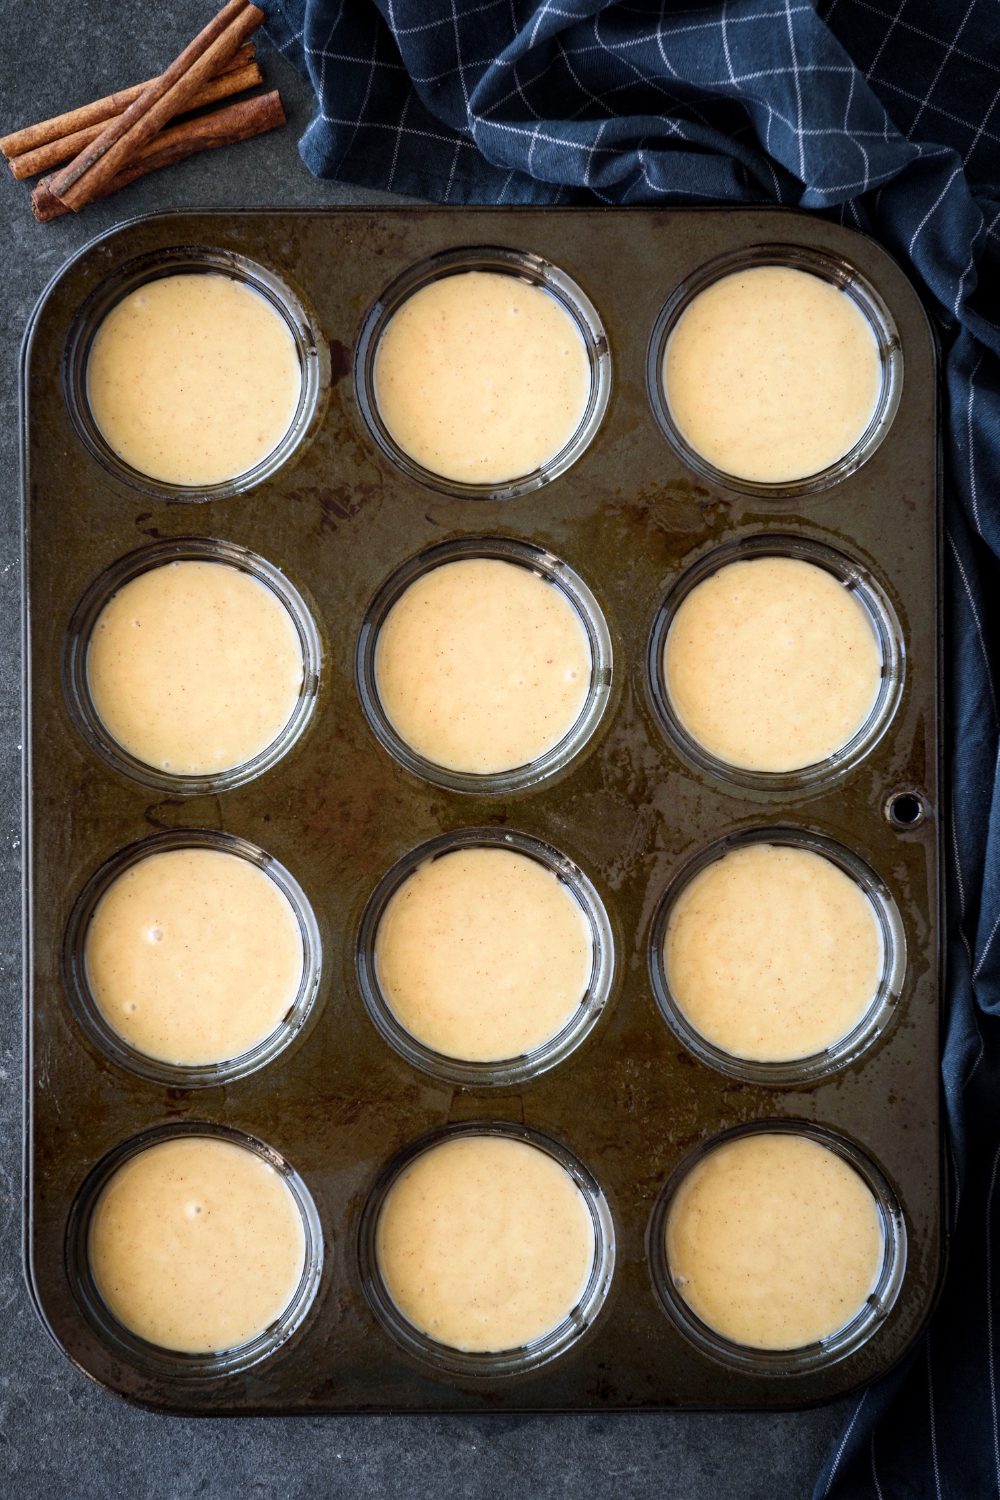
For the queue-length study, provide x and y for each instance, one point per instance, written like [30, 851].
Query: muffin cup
[837, 272]
[77, 645]
[546, 565]
[511, 1070]
[151, 1358]
[93, 1020]
[854, 1043]
[809, 1357]
[524, 267]
[558, 1340]
[311, 347]
[882, 618]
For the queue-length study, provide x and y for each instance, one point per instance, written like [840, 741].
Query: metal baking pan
[627, 809]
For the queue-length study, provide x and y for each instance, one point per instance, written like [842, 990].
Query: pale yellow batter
[772, 664]
[482, 666]
[772, 374]
[485, 1243]
[196, 1245]
[194, 667]
[483, 954]
[774, 1241]
[482, 377]
[193, 379]
[194, 956]
[773, 953]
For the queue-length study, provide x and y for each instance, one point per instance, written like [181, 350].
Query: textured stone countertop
[61, 1437]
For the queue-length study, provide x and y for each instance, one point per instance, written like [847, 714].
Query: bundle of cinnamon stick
[111, 142]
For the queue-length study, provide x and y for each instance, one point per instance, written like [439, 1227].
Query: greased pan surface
[338, 812]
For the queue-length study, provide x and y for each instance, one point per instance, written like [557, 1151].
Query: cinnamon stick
[44, 158]
[32, 137]
[122, 140]
[237, 122]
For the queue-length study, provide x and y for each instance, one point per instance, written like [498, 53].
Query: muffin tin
[337, 524]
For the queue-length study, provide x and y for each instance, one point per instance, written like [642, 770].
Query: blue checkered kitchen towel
[886, 114]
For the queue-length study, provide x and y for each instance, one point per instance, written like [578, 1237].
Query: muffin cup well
[93, 1020]
[519, 1361]
[830, 268]
[510, 1070]
[861, 1036]
[525, 267]
[546, 565]
[151, 1358]
[881, 615]
[311, 348]
[824, 1352]
[77, 644]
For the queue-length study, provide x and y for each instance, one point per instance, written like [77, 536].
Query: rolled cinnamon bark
[221, 87]
[33, 137]
[237, 122]
[123, 139]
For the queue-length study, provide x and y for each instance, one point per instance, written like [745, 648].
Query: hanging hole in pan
[906, 810]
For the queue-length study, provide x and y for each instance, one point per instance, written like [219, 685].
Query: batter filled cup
[484, 664]
[192, 665]
[194, 1250]
[483, 372]
[194, 379]
[193, 374]
[488, 1250]
[777, 956]
[776, 662]
[777, 369]
[192, 958]
[485, 956]
[777, 1247]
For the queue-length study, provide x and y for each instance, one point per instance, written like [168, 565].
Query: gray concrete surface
[61, 1437]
